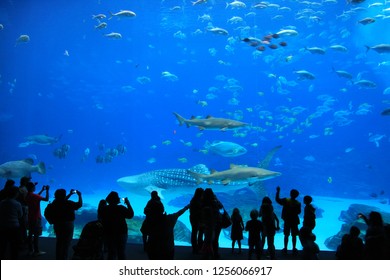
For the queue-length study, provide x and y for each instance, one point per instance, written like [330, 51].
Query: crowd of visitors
[21, 225]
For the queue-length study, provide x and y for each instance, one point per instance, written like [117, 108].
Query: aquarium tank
[135, 96]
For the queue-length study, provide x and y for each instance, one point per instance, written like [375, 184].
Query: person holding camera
[62, 213]
[113, 217]
[34, 217]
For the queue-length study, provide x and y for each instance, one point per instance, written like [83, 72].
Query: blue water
[71, 81]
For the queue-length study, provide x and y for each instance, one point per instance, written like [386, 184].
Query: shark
[181, 180]
[236, 173]
[210, 123]
[40, 139]
[161, 180]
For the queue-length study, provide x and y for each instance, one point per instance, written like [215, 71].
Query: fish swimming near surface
[20, 168]
[225, 149]
[381, 48]
[210, 123]
[40, 139]
[236, 173]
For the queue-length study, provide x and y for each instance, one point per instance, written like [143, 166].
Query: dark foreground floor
[135, 252]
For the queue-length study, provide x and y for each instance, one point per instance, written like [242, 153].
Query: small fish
[101, 25]
[381, 48]
[386, 112]
[124, 13]
[23, 39]
[315, 50]
[218, 30]
[99, 16]
[366, 21]
[330, 180]
[113, 35]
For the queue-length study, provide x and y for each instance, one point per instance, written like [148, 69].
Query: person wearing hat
[113, 217]
[290, 215]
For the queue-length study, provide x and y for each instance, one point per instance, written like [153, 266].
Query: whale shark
[161, 180]
[180, 180]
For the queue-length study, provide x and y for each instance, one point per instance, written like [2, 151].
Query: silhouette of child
[255, 230]
[309, 213]
[237, 229]
[290, 215]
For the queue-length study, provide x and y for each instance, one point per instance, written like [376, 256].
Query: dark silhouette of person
[195, 220]
[270, 225]
[255, 230]
[35, 217]
[63, 220]
[237, 229]
[290, 215]
[310, 249]
[309, 213]
[22, 199]
[10, 214]
[153, 210]
[161, 239]
[351, 246]
[9, 184]
[375, 238]
[114, 225]
[211, 223]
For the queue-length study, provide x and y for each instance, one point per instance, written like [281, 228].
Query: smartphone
[74, 191]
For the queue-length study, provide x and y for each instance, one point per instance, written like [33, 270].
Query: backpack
[49, 213]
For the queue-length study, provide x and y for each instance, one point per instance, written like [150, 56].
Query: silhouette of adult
[114, 225]
[237, 229]
[375, 238]
[351, 246]
[255, 230]
[9, 184]
[161, 239]
[270, 225]
[35, 217]
[290, 215]
[153, 210]
[10, 214]
[63, 211]
[211, 222]
[195, 220]
[22, 199]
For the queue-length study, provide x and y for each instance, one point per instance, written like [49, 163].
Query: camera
[74, 191]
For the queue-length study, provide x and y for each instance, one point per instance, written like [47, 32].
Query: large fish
[210, 123]
[40, 139]
[20, 168]
[162, 179]
[180, 180]
[247, 174]
[225, 149]
[381, 48]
